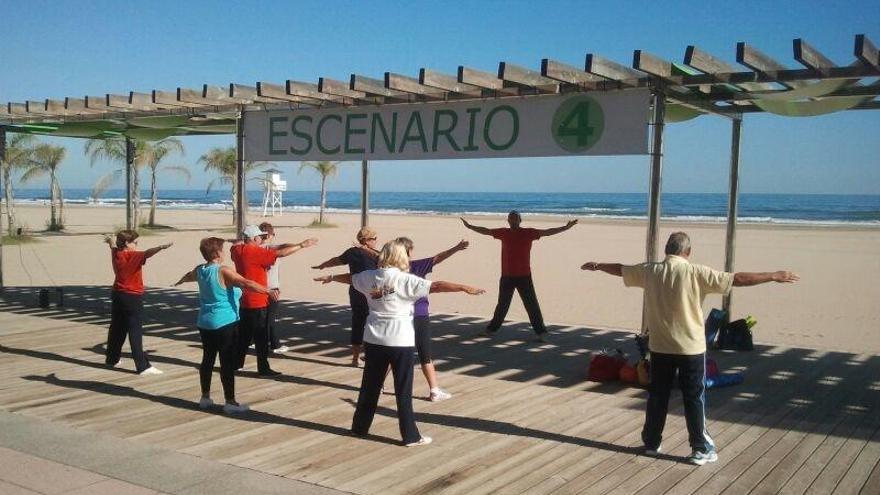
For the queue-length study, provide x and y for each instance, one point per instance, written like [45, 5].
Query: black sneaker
[268, 373]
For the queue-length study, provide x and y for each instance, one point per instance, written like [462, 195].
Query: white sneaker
[205, 403]
[701, 458]
[652, 452]
[439, 394]
[422, 441]
[152, 370]
[252, 346]
[235, 408]
[281, 349]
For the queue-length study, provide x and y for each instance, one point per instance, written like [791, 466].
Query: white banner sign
[608, 123]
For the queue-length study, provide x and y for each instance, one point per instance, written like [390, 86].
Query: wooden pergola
[701, 84]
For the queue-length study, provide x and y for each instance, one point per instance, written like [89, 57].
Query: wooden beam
[309, 92]
[528, 78]
[411, 85]
[168, 98]
[479, 78]
[609, 69]
[17, 109]
[99, 103]
[339, 88]
[759, 62]
[434, 79]
[567, 73]
[655, 66]
[77, 106]
[197, 96]
[704, 62]
[810, 57]
[36, 107]
[788, 76]
[277, 92]
[375, 87]
[866, 51]
[59, 107]
[144, 102]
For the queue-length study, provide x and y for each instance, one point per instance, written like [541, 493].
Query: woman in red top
[127, 300]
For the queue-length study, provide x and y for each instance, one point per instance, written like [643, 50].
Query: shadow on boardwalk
[790, 382]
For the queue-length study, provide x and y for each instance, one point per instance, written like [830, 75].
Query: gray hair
[678, 243]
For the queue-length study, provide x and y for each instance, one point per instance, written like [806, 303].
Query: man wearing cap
[516, 270]
[252, 261]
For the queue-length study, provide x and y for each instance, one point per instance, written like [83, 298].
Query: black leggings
[125, 320]
[359, 312]
[219, 341]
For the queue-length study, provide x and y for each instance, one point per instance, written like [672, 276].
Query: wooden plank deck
[522, 420]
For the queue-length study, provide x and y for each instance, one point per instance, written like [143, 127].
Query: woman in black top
[357, 261]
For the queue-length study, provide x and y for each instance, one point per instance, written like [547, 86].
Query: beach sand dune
[832, 307]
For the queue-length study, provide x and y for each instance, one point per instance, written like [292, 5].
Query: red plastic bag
[605, 367]
[711, 368]
[628, 374]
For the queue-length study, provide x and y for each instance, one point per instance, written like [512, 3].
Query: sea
[818, 209]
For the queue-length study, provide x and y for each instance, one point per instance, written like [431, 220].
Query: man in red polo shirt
[516, 270]
[252, 261]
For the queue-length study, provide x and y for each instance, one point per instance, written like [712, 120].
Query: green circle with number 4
[578, 123]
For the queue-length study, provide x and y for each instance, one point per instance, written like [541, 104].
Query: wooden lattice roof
[702, 83]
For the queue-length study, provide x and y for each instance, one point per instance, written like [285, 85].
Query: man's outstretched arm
[557, 230]
[479, 230]
[746, 279]
[609, 268]
[288, 249]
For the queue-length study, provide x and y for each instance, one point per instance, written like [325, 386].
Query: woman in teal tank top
[219, 292]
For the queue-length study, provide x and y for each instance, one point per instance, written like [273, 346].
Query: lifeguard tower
[275, 187]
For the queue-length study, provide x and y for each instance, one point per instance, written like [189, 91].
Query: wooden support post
[732, 204]
[365, 193]
[2, 232]
[241, 198]
[129, 175]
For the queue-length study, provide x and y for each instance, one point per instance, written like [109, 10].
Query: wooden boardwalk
[522, 420]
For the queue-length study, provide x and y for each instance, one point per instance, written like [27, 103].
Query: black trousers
[219, 341]
[378, 358]
[526, 289]
[422, 325]
[125, 320]
[271, 315]
[359, 312]
[253, 328]
[692, 382]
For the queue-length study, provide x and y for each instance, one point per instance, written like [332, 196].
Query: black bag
[736, 336]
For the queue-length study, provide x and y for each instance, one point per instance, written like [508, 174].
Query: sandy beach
[832, 307]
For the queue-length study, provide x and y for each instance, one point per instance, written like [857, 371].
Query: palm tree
[19, 151]
[46, 159]
[326, 169]
[155, 153]
[145, 154]
[222, 161]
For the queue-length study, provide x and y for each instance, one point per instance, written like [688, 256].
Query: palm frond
[34, 172]
[180, 169]
[224, 180]
[106, 181]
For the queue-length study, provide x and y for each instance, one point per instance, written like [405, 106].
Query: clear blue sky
[55, 49]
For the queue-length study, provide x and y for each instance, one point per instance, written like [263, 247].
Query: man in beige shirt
[674, 293]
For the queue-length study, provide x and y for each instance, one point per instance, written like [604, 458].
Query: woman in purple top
[422, 268]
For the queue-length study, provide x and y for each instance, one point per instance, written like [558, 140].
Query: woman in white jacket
[389, 336]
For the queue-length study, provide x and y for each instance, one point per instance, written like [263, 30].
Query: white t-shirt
[390, 296]
[272, 275]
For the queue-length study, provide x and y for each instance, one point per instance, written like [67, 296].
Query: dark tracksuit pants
[692, 382]
[125, 320]
[221, 341]
[526, 289]
[378, 359]
[253, 328]
[271, 315]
